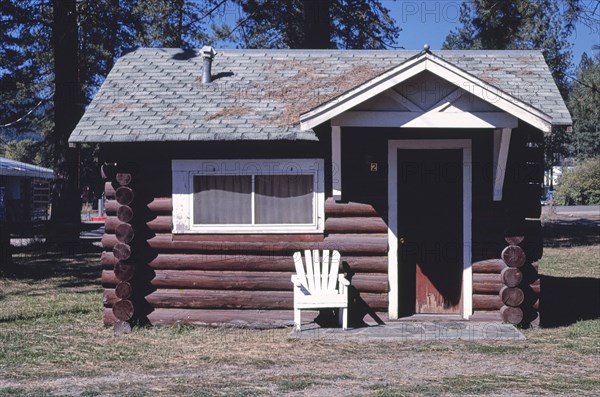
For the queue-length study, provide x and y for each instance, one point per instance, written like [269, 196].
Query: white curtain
[222, 199]
[283, 199]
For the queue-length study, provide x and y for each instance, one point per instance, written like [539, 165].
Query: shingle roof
[158, 95]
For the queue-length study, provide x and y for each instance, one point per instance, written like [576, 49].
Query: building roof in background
[158, 95]
[16, 168]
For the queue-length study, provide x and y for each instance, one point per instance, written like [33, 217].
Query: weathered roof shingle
[158, 95]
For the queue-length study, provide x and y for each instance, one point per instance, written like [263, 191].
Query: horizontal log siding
[239, 280]
[214, 278]
[240, 300]
[225, 266]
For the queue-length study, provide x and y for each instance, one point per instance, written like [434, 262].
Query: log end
[123, 310]
[512, 296]
[124, 271]
[513, 256]
[514, 240]
[123, 179]
[124, 233]
[123, 290]
[122, 251]
[511, 315]
[125, 213]
[124, 195]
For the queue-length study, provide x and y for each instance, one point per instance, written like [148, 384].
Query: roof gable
[414, 67]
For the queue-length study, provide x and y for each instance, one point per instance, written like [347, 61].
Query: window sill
[248, 231]
[251, 238]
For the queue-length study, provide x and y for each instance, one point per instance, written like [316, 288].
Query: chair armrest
[343, 280]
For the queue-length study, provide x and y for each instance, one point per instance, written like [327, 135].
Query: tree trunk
[114, 30]
[180, 4]
[317, 24]
[5, 250]
[68, 109]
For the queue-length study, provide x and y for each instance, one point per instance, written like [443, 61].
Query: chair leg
[297, 320]
[343, 317]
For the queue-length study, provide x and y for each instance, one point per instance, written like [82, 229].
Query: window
[248, 196]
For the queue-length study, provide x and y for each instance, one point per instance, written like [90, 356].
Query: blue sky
[429, 21]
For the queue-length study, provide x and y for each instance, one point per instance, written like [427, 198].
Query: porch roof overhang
[513, 107]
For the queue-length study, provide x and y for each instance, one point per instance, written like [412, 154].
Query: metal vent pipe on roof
[208, 53]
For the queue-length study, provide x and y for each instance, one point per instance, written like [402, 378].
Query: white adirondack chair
[318, 284]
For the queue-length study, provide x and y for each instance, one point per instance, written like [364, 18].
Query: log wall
[216, 276]
[213, 278]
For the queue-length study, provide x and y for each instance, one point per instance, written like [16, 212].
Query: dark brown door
[430, 230]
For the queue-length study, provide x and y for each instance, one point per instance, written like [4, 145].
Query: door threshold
[432, 317]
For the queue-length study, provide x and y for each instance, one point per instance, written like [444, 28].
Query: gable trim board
[467, 276]
[430, 119]
[441, 68]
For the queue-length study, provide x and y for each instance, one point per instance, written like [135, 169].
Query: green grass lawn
[52, 343]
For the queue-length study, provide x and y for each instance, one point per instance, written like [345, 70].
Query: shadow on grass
[78, 264]
[35, 316]
[571, 232]
[564, 300]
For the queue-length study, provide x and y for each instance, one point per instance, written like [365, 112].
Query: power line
[24, 116]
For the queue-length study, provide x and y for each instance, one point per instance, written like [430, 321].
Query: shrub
[580, 186]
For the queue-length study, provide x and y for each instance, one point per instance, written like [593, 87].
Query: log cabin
[423, 169]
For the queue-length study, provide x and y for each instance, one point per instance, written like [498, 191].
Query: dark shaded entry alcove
[430, 230]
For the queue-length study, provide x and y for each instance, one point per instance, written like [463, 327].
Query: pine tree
[25, 78]
[584, 104]
[358, 24]
[520, 25]
[169, 23]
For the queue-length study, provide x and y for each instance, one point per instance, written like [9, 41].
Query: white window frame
[184, 172]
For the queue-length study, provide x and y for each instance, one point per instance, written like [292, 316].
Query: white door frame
[467, 280]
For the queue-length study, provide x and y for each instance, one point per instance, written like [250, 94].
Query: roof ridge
[337, 50]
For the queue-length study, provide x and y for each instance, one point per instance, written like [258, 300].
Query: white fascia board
[425, 120]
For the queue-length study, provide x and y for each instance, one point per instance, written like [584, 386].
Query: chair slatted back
[334, 271]
[318, 274]
[300, 273]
